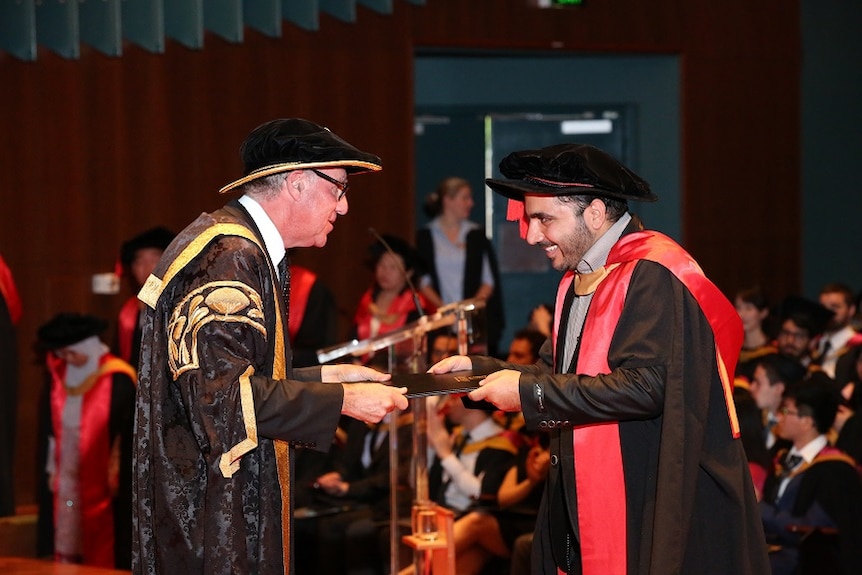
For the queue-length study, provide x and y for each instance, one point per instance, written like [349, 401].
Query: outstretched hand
[369, 402]
[500, 388]
[452, 363]
[348, 372]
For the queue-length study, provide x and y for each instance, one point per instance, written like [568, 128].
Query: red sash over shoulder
[127, 321]
[10, 293]
[97, 518]
[598, 458]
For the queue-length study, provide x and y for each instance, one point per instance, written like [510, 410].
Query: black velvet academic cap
[807, 314]
[569, 169]
[296, 144]
[65, 329]
[157, 238]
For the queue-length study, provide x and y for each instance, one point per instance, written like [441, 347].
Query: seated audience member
[469, 469]
[848, 421]
[801, 320]
[471, 462]
[753, 309]
[389, 303]
[441, 344]
[815, 485]
[752, 433]
[313, 319]
[839, 336]
[774, 374]
[359, 482]
[525, 346]
[541, 319]
[85, 446]
[138, 257]
[484, 534]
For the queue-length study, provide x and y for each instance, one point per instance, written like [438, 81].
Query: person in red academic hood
[85, 440]
[634, 387]
[138, 258]
[391, 301]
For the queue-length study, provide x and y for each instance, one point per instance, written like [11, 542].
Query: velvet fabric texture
[296, 144]
[567, 169]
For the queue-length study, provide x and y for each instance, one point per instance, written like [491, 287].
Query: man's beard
[574, 246]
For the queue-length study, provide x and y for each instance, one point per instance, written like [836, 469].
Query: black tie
[789, 464]
[460, 442]
[821, 357]
[284, 281]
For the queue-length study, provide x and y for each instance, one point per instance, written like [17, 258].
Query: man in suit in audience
[801, 320]
[774, 374]
[814, 486]
[838, 337]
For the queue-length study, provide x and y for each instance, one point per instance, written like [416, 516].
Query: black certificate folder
[425, 384]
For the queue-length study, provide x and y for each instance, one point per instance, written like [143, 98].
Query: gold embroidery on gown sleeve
[223, 301]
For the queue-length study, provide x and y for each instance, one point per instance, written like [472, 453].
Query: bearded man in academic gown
[648, 475]
[85, 455]
[219, 407]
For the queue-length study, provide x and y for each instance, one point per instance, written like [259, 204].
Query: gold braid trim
[229, 463]
[500, 442]
[154, 286]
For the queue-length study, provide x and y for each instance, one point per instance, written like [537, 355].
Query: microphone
[398, 258]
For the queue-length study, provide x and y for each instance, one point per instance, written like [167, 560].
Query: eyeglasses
[786, 333]
[342, 186]
[788, 411]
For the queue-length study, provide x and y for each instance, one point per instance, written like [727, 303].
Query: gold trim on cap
[288, 166]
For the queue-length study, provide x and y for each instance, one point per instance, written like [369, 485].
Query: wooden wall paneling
[741, 140]
[98, 149]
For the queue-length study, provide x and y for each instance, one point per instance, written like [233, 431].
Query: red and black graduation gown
[106, 425]
[652, 479]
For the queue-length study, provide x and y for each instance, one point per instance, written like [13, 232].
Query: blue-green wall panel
[831, 144]
[344, 10]
[101, 25]
[303, 13]
[57, 27]
[184, 22]
[18, 29]
[264, 16]
[224, 18]
[144, 24]
[381, 6]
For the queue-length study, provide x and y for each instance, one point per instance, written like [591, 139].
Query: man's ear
[294, 183]
[595, 214]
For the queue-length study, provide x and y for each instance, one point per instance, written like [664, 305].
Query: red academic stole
[395, 315]
[10, 292]
[127, 321]
[97, 518]
[301, 282]
[599, 481]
